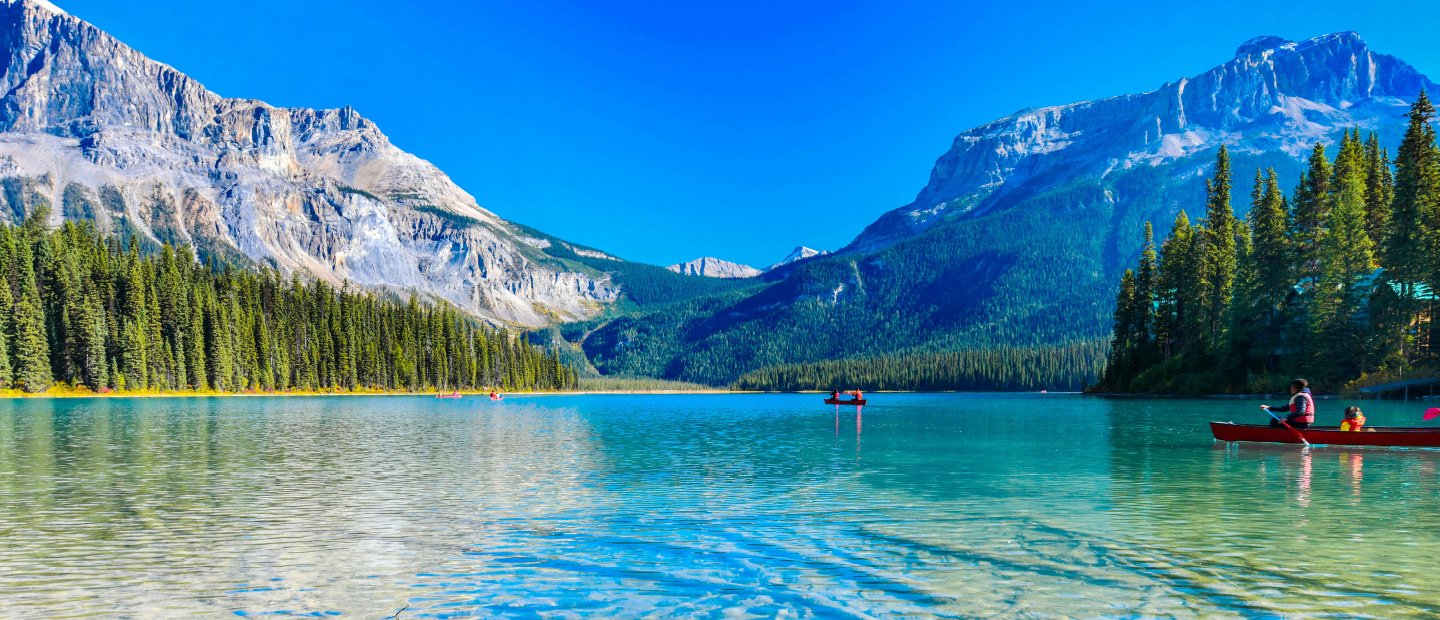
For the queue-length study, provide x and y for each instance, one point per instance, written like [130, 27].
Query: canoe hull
[1330, 436]
[836, 401]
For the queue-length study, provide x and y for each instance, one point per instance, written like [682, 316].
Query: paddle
[1287, 425]
[1432, 413]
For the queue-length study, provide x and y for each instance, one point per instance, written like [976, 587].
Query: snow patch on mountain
[796, 255]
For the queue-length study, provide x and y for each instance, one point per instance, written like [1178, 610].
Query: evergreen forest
[1000, 369]
[90, 313]
[1333, 282]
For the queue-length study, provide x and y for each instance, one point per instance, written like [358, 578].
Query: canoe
[1329, 435]
[447, 396]
[836, 401]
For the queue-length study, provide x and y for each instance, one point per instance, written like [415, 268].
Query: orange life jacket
[1353, 424]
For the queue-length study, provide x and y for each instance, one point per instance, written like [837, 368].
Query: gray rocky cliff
[94, 130]
[712, 267]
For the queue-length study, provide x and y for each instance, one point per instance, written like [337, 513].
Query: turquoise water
[714, 505]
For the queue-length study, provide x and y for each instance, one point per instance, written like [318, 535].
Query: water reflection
[296, 504]
[1275, 528]
[697, 505]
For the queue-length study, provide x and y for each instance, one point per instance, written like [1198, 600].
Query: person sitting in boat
[858, 395]
[1354, 419]
[834, 394]
[1301, 406]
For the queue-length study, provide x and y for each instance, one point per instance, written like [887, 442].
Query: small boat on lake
[1410, 437]
[836, 401]
[450, 395]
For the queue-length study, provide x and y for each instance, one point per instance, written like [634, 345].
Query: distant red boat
[1409, 437]
[836, 401]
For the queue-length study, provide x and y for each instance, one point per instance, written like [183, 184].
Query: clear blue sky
[668, 130]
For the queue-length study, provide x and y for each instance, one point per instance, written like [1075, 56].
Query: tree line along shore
[1335, 283]
[82, 312]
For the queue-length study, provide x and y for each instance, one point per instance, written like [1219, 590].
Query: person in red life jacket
[834, 394]
[858, 395]
[1301, 407]
[1354, 419]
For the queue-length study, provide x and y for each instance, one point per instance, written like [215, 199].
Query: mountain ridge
[93, 129]
[1026, 221]
[711, 267]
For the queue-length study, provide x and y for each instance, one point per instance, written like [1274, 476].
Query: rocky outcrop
[95, 130]
[711, 267]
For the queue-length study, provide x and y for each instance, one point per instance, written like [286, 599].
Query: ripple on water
[939, 505]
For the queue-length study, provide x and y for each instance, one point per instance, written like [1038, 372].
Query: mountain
[1273, 101]
[716, 268]
[711, 267]
[796, 255]
[94, 130]
[1020, 234]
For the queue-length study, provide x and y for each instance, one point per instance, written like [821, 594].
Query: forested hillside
[78, 309]
[1335, 283]
[1004, 369]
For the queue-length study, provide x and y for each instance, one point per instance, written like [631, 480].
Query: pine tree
[96, 371]
[1124, 346]
[1311, 213]
[1147, 286]
[133, 346]
[1379, 190]
[195, 342]
[1178, 278]
[157, 355]
[1220, 230]
[32, 349]
[1346, 258]
[1273, 271]
[1417, 197]
[7, 309]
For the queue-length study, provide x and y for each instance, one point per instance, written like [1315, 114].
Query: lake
[947, 505]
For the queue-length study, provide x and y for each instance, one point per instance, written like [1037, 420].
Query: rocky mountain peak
[712, 267]
[796, 255]
[93, 129]
[1276, 96]
[1260, 44]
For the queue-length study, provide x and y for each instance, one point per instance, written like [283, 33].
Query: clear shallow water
[758, 505]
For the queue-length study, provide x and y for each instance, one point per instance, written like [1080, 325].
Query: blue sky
[665, 131]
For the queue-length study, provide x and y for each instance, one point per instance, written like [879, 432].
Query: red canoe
[1329, 435]
[836, 401]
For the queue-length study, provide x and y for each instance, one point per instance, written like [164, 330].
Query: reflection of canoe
[836, 401]
[1329, 435]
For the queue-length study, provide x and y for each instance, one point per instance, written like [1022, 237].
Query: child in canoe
[1354, 419]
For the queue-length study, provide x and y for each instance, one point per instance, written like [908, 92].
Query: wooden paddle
[1287, 425]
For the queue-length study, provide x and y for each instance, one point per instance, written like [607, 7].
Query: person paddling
[1301, 406]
